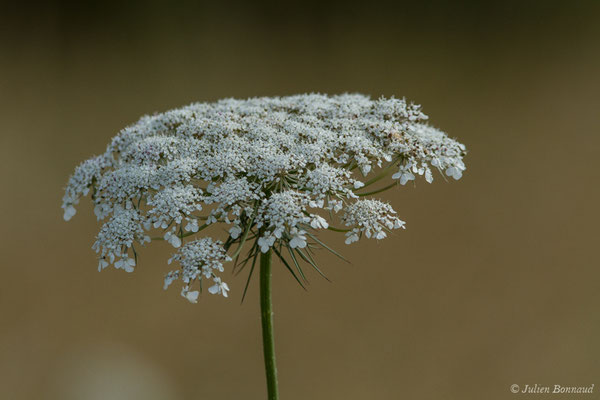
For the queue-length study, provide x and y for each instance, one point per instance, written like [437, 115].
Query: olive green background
[493, 283]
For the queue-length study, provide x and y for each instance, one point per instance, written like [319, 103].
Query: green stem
[266, 311]
[333, 228]
[383, 189]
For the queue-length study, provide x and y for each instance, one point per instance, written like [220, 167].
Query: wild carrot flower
[273, 170]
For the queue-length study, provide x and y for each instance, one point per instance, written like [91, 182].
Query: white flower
[428, 175]
[102, 263]
[455, 172]
[235, 232]
[102, 210]
[126, 264]
[336, 205]
[316, 203]
[191, 296]
[397, 224]
[380, 235]
[173, 239]
[265, 243]
[69, 212]
[319, 222]
[298, 238]
[219, 287]
[192, 226]
[170, 278]
[351, 237]
[404, 177]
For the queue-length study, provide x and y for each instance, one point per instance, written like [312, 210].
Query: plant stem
[266, 311]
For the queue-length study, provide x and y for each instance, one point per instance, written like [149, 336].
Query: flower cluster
[199, 258]
[274, 170]
[117, 236]
[371, 217]
[424, 147]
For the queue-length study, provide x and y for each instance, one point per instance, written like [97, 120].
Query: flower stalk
[266, 311]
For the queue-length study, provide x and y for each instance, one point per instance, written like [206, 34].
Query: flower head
[273, 170]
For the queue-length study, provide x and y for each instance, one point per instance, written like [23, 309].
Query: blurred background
[494, 282]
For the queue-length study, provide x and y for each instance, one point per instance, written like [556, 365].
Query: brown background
[494, 282]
